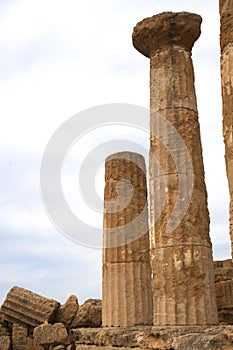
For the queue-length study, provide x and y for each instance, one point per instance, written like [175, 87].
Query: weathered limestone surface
[92, 347]
[19, 337]
[223, 270]
[31, 345]
[27, 308]
[4, 331]
[60, 347]
[5, 342]
[226, 42]
[164, 338]
[47, 334]
[224, 290]
[67, 312]
[126, 282]
[89, 314]
[21, 340]
[182, 264]
[5, 338]
[224, 293]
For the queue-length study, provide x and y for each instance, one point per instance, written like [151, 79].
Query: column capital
[166, 30]
[226, 32]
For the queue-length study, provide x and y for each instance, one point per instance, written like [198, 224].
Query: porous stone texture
[92, 347]
[67, 312]
[223, 270]
[5, 338]
[4, 330]
[181, 254]
[224, 293]
[5, 342]
[163, 338]
[31, 345]
[89, 314]
[224, 290]
[1, 317]
[47, 334]
[21, 340]
[19, 337]
[226, 42]
[27, 308]
[126, 281]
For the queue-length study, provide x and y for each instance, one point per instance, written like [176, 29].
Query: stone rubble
[18, 333]
[89, 314]
[67, 312]
[48, 334]
[5, 336]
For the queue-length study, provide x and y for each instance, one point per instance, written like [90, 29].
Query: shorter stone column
[127, 299]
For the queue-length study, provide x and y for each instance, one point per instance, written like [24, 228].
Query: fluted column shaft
[126, 282]
[181, 254]
[226, 41]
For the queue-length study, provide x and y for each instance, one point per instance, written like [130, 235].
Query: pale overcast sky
[58, 58]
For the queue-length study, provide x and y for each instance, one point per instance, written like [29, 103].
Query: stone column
[127, 298]
[226, 41]
[181, 252]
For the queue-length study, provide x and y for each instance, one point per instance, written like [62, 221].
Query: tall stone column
[181, 252]
[126, 286]
[226, 41]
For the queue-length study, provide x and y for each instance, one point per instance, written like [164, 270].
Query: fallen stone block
[5, 342]
[4, 330]
[5, 338]
[32, 346]
[67, 312]
[59, 347]
[47, 334]
[1, 317]
[89, 314]
[27, 308]
[19, 337]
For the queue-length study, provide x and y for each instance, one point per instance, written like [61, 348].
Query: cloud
[48, 264]
[33, 253]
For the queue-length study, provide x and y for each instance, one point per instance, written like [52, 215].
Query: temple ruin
[161, 288]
